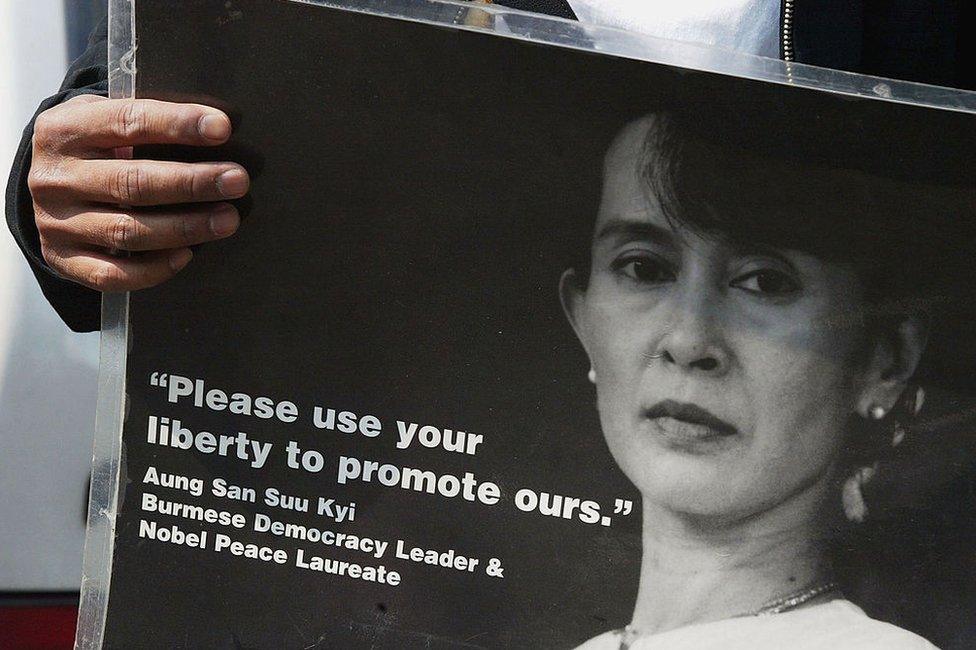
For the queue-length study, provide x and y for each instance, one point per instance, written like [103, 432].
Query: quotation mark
[622, 507]
[158, 379]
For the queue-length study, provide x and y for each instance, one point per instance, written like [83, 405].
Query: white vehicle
[47, 372]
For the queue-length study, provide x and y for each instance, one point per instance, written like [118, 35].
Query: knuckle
[182, 230]
[35, 179]
[131, 184]
[61, 126]
[45, 179]
[84, 98]
[184, 120]
[123, 232]
[52, 256]
[46, 224]
[104, 277]
[56, 259]
[130, 119]
[42, 131]
[188, 184]
[39, 179]
[48, 128]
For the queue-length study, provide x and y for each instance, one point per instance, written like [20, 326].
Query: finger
[151, 182]
[103, 272]
[131, 230]
[115, 123]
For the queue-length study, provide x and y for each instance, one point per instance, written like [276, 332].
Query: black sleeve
[78, 306]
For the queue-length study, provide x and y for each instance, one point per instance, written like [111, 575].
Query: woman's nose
[694, 337]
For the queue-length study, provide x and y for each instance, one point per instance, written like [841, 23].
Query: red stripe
[38, 628]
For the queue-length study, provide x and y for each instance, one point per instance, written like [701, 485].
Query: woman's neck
[696, 570]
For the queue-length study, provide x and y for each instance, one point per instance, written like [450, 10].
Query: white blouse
[836, 625]
[750, 26]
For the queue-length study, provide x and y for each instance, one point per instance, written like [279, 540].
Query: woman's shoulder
[606, 641]
[842, 624]
[837, 625]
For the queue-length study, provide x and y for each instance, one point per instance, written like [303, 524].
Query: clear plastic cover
[506, 22]
[108, 462]
[107, 452]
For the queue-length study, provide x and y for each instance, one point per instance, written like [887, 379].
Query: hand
[88, 204]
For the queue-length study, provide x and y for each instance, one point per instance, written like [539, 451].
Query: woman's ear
[572, 295]
[893, 361]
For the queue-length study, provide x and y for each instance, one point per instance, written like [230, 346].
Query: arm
[72, 203]
[78, 306]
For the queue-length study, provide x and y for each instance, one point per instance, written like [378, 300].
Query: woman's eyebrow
[744, 249]
[628, 230]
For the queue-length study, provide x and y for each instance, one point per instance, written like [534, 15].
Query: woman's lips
[687, 422]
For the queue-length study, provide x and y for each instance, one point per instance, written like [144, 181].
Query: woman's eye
[644, 269]
[767, 282]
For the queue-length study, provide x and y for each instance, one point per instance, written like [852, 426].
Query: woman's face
[725, 375]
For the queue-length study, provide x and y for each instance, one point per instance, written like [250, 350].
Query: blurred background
[47, 372]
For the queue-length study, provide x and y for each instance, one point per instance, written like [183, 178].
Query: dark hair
[846, 183]
[782, 184]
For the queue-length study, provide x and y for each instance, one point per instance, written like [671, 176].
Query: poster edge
[111, 404]
[610, 41]
[110, 413]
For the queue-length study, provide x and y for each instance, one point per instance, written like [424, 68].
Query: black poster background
[417, 193]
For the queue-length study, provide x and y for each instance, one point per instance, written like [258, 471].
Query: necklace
[630, 633]
[794, 600]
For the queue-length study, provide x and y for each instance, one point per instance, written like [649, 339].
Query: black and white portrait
[713, 336]
[754, 319]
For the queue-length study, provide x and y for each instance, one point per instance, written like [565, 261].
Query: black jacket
[918, 40]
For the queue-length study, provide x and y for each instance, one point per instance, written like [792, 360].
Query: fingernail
[214, 127]
[179, 259]
[224, 221]
[232, 183]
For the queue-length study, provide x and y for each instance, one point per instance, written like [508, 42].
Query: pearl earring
[852, 494]
[591, 375]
